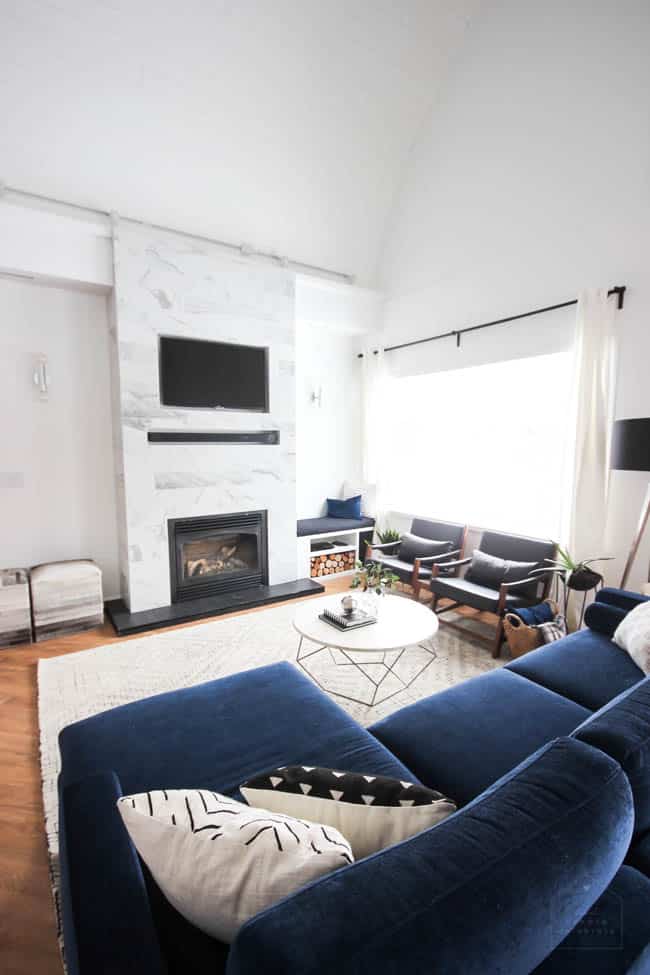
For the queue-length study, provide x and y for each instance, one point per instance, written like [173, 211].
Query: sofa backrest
[494, 887]
[440, 531]
[622, 729]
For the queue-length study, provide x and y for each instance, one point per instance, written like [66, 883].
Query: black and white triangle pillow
[371, 811]
[218, 861]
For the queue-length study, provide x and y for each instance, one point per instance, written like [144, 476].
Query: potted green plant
[388, 535]
[578, 576]
[373, 578]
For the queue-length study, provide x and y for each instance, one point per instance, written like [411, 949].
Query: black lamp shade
[631, 445]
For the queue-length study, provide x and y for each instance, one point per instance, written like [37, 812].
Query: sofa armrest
[609, 608]
[604, 618]
[621, 598]
[493, 888]
[107, 924]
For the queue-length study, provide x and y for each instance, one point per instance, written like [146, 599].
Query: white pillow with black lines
[219, 862]
[371, 811]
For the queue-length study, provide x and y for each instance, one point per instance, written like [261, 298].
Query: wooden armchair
[507, 577]
[429, 544]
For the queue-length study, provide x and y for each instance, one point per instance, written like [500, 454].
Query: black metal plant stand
[588, 583]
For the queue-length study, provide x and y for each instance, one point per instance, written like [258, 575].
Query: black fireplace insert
[217, 554]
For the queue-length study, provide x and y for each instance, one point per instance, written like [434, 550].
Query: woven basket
[521, 637]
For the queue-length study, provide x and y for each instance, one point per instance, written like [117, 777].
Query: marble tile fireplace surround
[168, 284]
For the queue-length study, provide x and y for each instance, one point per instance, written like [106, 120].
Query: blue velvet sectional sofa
[544, 868]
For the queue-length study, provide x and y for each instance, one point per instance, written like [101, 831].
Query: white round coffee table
[401, 623]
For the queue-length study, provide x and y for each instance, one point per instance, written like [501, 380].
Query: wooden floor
[27, 931]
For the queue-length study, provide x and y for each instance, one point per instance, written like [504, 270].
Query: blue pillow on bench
[350, 508]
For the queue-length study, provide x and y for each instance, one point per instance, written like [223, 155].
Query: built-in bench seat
[321, 526]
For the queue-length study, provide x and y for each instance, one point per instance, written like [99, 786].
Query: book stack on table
[347, 621]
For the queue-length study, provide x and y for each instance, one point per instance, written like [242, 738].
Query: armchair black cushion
[517, 548]
[443, 531]
[414, 547]
[491, 571]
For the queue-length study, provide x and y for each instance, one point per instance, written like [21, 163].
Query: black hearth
[218, 564]
[217, 554]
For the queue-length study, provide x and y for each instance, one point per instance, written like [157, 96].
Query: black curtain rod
[619, 291]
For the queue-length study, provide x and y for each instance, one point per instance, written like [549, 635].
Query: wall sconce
[316, 397]
[40, 376]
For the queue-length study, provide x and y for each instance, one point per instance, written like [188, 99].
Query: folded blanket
[535, 615]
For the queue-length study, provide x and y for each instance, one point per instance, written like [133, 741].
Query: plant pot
[582, 580]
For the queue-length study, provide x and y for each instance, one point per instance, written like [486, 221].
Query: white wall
[57, 479]
[280, 124]
[328, 437]
[530, 182]
[57, 244]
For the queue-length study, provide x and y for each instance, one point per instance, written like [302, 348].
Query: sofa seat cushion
[612, 936]
[480, 597]
[319, 526]
[585, 667]
[216, 735]
[461, 740]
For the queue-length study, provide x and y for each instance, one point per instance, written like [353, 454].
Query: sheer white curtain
[373, 378]
[594, 377]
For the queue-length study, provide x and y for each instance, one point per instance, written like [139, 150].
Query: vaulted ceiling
[282, 123]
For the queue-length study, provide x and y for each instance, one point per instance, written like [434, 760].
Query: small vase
[371, 601]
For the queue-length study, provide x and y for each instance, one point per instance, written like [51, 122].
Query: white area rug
[81, 684]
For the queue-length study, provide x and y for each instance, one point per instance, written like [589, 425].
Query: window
[483, 445]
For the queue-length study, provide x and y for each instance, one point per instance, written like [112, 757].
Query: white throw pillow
[633, 635]
[371, 811]
[368, 492]
[218, 861]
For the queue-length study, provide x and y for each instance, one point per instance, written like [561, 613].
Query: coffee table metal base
[349, 662]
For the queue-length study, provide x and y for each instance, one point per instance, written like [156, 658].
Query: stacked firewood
[328, 564]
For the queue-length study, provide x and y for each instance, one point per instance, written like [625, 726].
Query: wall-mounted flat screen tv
[196, 374]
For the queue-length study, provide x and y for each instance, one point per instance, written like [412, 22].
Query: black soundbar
[200, 436]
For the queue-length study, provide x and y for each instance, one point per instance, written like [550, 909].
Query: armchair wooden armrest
[506, 586]
[380, 548]
[434, 560]
[385, 545]
[435, 568]
[425, 559]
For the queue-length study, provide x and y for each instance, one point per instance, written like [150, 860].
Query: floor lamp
[631, 452]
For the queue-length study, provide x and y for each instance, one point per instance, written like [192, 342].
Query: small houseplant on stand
[575, 577]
